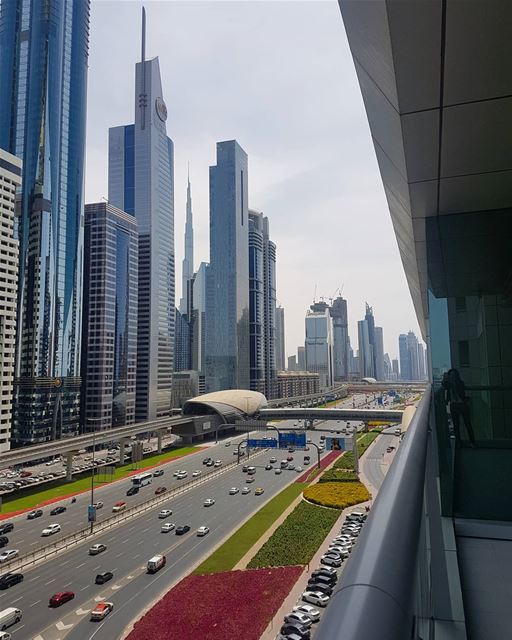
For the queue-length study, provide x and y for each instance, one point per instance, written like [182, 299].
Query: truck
[156, 563]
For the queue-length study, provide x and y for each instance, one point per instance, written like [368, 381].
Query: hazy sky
[278, 77]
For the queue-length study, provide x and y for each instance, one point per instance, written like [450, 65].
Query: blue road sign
[292, 440]
[91, 513]
[271, 443]
[335, 444]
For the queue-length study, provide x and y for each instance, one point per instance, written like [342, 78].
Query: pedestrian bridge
[331, 413]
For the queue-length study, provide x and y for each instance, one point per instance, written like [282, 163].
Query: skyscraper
[405, 358]
[365, 353]
[378, 352]
[269, 301]
[109, 337]
[182, 342]
[292, 363]
[339, 315]
[280, 344]
[228, 298]
[43, 80]
[422, 372]
[319, 343]
[301, 358]
[141, 183]
[10, 180]
[395, 367]
[188, 260]
[412, 345]
[198, 324]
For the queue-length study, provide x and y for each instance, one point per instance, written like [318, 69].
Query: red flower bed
[324, 462]
[218, 606]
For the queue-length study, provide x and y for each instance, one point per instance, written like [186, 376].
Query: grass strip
[234, 549]
[298, 538]
[34, 496]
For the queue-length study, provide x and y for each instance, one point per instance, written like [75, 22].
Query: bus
[142, 479]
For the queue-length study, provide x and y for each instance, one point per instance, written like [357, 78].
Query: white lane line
[13, 601]
[136, 556]
[86, 587]
[50, 581]
[96, 568]
[141, 542]
[63, 564]
[67, 585]
[20, 541]
[34, 603]
[80, 565]
[125, 541]
[119, 554]
[34, 578]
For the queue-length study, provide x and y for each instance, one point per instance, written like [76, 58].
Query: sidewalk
[295, 594]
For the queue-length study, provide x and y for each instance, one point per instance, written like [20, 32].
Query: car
[98, 504]
[202, 531]
[101, 610]
[204, 461]
[217, 463]
[330, 581]
[10, 579]
[249, 479]
[36, 513]
[57, 511]
[315, 585]
[4, 540]
[61, 598]
[210, 463]
[158, 472]
[25, 474]
[308, 610]
[227, 444]
[343, 552]
[195, 474]
[51, 529]
[322, 437]
[182, 529]
[245, 468]
[101, 578]
[299, 469]
[289, 458]
[119, 506]
[167, 527]
[177, 473]
[291, 450]
[182, 474]
[246, 490]
[97, 548]
[258, 491]
[165, 513]
[273, 460]
[330, 561]
[326, 571]
[298, 629]
[9, 554]
[268, 467]
[295, 617]
[233, 491]
[132, 491]
[316, 598]
[160, 490]
[278, 472]
[209, 502]
[291, 467]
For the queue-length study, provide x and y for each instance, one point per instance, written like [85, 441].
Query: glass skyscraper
[228, 298]
[43, 80]
[140, 182]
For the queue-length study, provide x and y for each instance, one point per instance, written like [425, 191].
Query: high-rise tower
[188, 260]
[43, 86]
[141, 183]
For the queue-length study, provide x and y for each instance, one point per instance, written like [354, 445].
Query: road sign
[292, 440]
[91, 513]
[270, 443]
[335, 444]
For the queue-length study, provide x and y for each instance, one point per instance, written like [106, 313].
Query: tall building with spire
[43, 96]
[188, 260]
[141, 182]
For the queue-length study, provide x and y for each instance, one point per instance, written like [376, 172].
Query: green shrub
[337, 495]
[339, 475]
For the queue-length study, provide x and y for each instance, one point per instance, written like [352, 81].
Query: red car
[160, 490]
[60, 598]
[289, 458]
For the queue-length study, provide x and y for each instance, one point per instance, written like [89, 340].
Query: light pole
[93, 468]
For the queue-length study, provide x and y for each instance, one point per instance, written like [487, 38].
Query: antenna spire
[143, 51]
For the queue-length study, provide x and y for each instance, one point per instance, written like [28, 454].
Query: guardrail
[84, 534]
[375, 594]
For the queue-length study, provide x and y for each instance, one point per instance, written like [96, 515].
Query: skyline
[291, 175]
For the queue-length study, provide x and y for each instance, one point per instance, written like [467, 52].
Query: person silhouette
[455, 391]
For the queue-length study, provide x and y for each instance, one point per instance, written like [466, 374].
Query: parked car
[330, 561]
[97, 548]
[217, 463]
[319, 587]
[51, 529]
[299, 629]
[10, 579]
[326, 571]
[249, 479]
[316, 598]
[258, 491]
[296, 617]
[36, 513]
[278, 472]
[61, 598]
[308, 610]
[101, 578]
[182, 529]
[101, 610]
[273, 460]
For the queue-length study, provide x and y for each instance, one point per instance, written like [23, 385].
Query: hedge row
[337, 495]
[298, 538]
[339, 475]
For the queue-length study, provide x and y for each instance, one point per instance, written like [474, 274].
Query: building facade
[228, 361]
[109, 336]
[301, 358]
[280, 340]
[141, 166]
[43, 80]
[292, 384]
[198, 322]
[319, 358]
[187, 270]
[10, 182]
[365, 352]
[405, 358]
[339, 315]
[256, 303]
[182, 342]
[269, 302]
[380, 368]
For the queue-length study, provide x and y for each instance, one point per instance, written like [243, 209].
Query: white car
[165, 513]
[202, 531]
[98, 504]
[176, 473]
[97, 548]
[168, 526]
[209, 502]
[51, 529]
[227, 444]
[182, 474]
[278, 472]
[295, 617]
[246, 490]
[312, 613]
[343, 552]
[233, 490]
[316, 598]
[330, 561]
[298, 469]
[195, 474]
[217, 463]
[9, 554]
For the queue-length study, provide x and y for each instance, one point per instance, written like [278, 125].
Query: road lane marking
[80, 565]
[86, 587]
[50, 581]
[67, 585]
[34, 603]
[125, 541]
[35, 578]
[17, 599]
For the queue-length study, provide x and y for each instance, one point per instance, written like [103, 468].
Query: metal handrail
[374, 598]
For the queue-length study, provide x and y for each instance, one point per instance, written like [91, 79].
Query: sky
[278, 77]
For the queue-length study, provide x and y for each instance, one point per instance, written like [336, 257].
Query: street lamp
[93, 467]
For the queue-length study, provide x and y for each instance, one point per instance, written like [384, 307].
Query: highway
[372, 462]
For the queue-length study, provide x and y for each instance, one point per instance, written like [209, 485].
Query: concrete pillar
[69, 465]
[122, 442]
[159, 434]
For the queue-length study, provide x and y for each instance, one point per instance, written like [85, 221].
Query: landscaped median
[337, 495]
[38, 496]
[220, 606]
